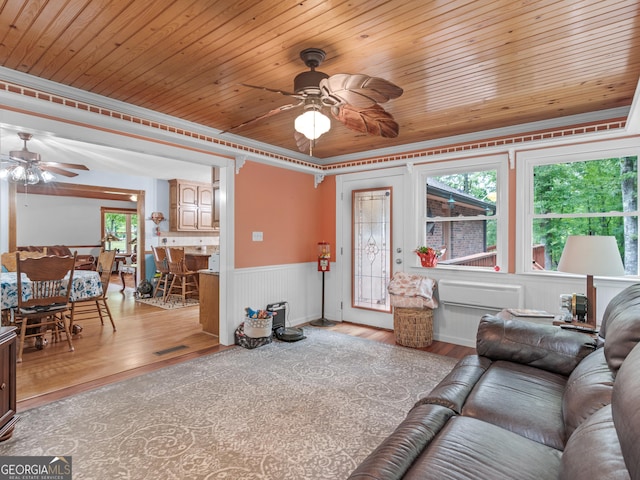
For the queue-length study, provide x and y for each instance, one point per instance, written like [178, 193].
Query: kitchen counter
[196, 261]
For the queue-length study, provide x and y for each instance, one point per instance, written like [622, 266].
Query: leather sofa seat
[522, 399]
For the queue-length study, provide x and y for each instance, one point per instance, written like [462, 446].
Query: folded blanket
[415, 291]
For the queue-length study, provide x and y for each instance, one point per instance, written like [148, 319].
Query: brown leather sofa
[83, 262]
[537, 402]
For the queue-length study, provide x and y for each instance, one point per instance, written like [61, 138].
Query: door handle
[398, 261]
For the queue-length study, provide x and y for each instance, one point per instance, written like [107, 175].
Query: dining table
[86, 284]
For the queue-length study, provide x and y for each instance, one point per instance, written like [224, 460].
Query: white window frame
[498, 162]
[525, 163]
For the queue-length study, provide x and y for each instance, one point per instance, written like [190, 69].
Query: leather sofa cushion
[470, 449]
[593, 451]
[522, 399]
[626, 414]
[392, 458]
[589, 388]
[542, 346]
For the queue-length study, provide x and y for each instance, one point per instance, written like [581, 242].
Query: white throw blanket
[412, 291]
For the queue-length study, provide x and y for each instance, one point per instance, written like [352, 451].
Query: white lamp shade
[591, 255]
[312, 124]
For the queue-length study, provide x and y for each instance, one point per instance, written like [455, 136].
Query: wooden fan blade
[373, 120]
[274, 90]
[75, 166]
[266, 115]
[359, 90]
[58, 171]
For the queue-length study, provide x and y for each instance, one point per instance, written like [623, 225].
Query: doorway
[372, 224]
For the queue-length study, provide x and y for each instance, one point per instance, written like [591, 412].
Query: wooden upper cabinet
[188, 194]
[192, 206]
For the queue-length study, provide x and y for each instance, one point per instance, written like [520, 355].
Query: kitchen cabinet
[191, 206]
[8, 418]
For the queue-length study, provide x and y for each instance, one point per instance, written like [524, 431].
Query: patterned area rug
[172, 302]
[312, 409]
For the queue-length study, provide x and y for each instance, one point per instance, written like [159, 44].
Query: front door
[371, 239]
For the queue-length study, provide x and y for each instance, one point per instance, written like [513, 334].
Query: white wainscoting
[462, 302]
[299, 284]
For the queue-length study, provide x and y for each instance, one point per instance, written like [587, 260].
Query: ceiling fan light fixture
[47, 176]
[17, 174]
[312, 124]
[32, 175]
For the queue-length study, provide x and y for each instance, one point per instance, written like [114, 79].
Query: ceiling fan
[352, 99]
[23, 166]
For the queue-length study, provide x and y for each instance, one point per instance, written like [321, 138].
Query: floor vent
[169, 350]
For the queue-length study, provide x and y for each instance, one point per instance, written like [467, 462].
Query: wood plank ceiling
[465, 66]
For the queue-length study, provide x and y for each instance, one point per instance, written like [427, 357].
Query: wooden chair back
[104, 267]
[9, 258]
[160, 259]
[175, 258]
[47, 278]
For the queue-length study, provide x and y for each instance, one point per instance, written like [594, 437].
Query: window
[371, 248]
[584, 197]
[461, 214]
[119, 229]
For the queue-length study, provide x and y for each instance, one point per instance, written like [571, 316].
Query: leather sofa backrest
[589, 388]
[625, 411]
[618, 304]
[621, 326]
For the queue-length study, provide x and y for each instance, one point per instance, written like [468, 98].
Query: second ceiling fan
[352, 99]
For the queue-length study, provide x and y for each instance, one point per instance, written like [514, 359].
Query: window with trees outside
[590, 197]
[461, 216]
[120, 229]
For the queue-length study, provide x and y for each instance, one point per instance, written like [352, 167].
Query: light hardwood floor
[147, 338]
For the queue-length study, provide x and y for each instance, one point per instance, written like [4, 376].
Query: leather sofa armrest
[395, 455]
[542, 346]
[453, 390]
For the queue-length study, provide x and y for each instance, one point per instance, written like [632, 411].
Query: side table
[8, 418]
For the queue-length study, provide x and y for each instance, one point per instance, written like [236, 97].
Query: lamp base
[322, 322]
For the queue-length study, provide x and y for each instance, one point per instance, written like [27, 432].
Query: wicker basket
[413, 327]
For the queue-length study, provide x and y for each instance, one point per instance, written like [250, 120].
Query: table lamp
[591, 255]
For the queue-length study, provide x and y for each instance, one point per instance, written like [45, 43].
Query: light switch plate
[256, 236]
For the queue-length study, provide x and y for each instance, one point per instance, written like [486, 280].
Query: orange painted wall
[292, 215]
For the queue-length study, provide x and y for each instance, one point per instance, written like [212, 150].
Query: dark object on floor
[290, 334]
[280, 330]
[145, 289]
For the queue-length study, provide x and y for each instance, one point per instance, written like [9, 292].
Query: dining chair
[44, 287]
[162, 267]
[129, 266]
[182, 278]
[96, 307]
